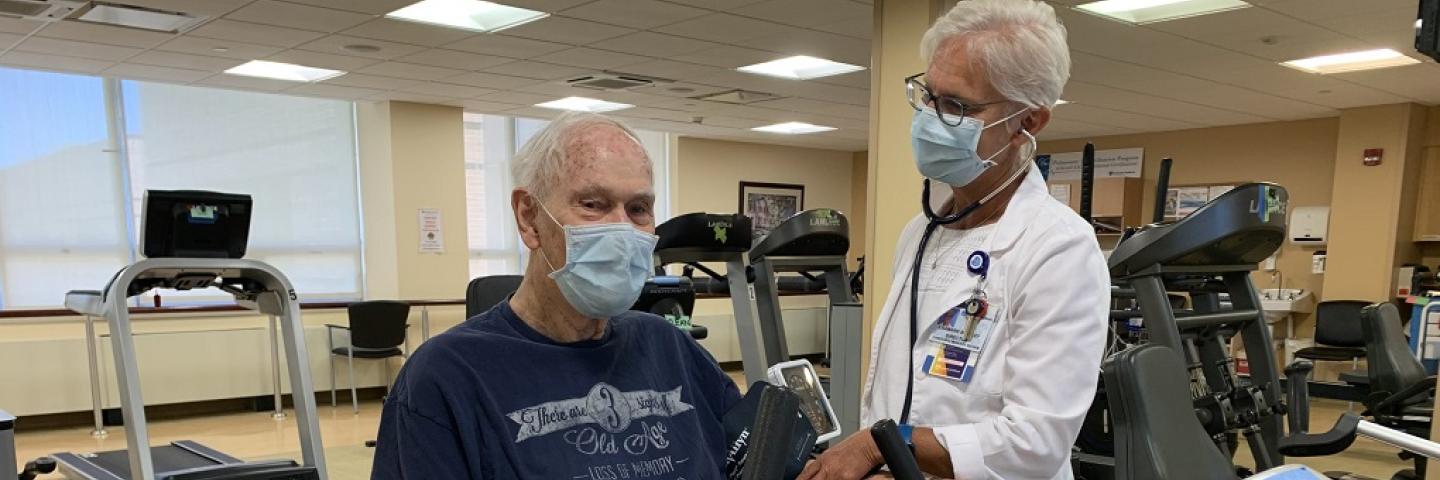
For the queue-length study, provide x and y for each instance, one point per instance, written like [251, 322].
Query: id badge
[954, 336]
[951, 363]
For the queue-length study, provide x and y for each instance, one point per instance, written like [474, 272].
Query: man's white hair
[539, 165]
[1019, 42]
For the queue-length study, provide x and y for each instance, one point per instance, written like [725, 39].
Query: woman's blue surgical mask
[606, 266]
[948, 154]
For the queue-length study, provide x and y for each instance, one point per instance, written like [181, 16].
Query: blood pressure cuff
[766, 434]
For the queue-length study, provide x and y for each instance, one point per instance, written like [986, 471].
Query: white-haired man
[561, 380]
[991, 364]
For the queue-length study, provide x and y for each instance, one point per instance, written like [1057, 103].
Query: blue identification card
[951, 363]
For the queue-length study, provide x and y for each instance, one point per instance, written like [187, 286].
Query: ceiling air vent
[42, 10]
[613, 81]
[739, 97]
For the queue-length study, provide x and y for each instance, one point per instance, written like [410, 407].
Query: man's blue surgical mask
[948, 154]
[606, 266]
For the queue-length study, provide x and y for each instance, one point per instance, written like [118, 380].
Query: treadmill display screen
[806, 384]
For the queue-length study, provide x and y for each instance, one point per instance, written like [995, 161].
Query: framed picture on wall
[768, 204]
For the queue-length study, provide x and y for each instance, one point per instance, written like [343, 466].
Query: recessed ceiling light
[793, 128]
[1061, 102]
[582, 104]
[139, 17]
[800, 67]
[1146, 11]
[283, 71]
[1352, 61]
[473, 15]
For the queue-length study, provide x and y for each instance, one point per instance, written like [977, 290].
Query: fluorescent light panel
[1352, 61]
[283, 71]
[1147, 11]
[582, 104]
[800, 67]
[474, 15]
[793, 128]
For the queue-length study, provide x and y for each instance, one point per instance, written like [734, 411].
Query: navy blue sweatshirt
[494, 399]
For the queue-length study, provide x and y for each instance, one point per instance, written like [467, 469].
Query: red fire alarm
[1372, 156]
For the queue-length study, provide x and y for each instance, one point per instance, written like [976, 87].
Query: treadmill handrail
[277, 299]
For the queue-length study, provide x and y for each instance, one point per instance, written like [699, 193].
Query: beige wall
[1299, 155]
[428, 151]
[708, 174]
[859, 179]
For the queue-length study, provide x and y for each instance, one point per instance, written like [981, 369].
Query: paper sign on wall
[1122, 162]
[1061, 192]
[432, 231]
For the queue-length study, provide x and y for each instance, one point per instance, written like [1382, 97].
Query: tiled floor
[256, 435]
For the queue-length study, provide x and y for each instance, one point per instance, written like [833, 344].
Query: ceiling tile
[817, 106]
[8, 39]
[727, 56]
[410, 70]
[206, 46]
[839, 48]
[1331, 91]
[1085, 93]
[238, 82]
[151, 72]
[1247, 30]
[417, 98]
[486, 80]
[806, 13]
[1124, 119]
[654, 45]
[642, 14]
[858, 27]
[325, 89]
[20, 26]
[1377, 25]
[559, 89]
[323, 60]
[687, 89]
[447, 90]
[833, 93]
[53, 62]
[1330, 9]
[373, 7]
[860, 79]
[408, 32]
[718, 5]
[567, 30]
[674, 70]
[185, 61]
[518, 98]
[501, 45]
[335, 44]
[725, 28]
[76, 49]
[476, 106]
[437, 57]
[551, 6]
[107, 34]
[210, 8]
[591, 58]
[1417, 82]
[303, 17]
[371, 81]
[223, 29]
[537, 70]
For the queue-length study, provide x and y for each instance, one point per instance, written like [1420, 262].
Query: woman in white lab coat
[992, 363]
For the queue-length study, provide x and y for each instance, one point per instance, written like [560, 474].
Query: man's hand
[852, 459]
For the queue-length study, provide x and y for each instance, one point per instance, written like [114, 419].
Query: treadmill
[813, 244]
[195, 239]
[709, 237]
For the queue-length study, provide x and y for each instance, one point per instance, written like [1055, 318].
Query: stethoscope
[936, 221]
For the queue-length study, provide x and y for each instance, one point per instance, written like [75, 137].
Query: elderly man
[988, 348]
[561, 381]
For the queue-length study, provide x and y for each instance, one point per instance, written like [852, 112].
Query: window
[69, 192]
[490, 142]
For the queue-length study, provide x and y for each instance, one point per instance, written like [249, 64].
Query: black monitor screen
[195, 224]
[1427, 29]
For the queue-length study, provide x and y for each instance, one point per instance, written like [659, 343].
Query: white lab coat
[1036, 378]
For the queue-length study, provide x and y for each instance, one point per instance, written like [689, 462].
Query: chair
[1401, 391]
[1337, 333]
[1154, 419]
[486, 292]
[377, 330]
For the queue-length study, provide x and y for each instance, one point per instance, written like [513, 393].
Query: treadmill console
[817, 232]
[195, 224]
[1241, 227]
[704, 232]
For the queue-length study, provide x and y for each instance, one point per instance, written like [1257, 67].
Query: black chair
[1337, 333]
[486, 292]
[1402, 393]
[377, 330]
[1154, 419]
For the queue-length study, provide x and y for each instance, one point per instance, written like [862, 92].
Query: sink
[1279, 303]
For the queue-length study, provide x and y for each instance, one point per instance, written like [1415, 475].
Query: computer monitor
[194, 224]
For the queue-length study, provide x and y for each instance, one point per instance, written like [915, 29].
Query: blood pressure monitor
[800, 376]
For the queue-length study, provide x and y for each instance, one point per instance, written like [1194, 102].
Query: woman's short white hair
[1019, 42]
[541, 162]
